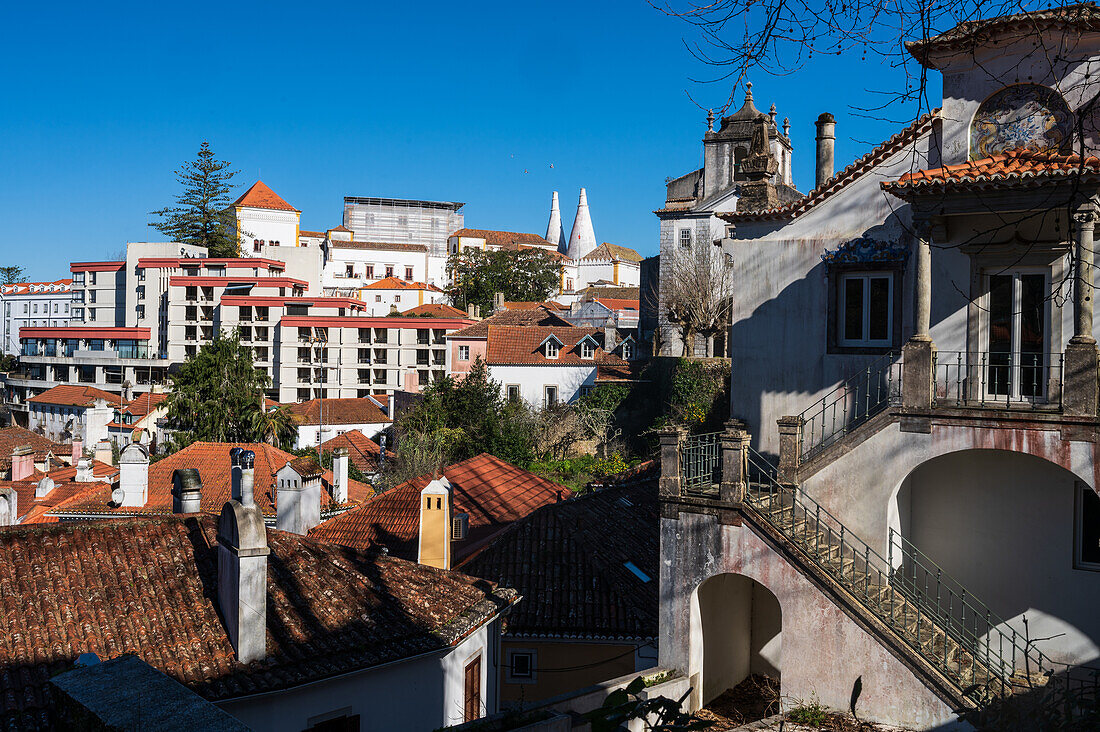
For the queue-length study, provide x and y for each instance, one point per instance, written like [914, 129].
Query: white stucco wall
[418, 694]
[533, 379]
[307, 433]
[268, 225]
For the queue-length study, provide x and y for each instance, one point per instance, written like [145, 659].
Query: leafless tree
[697, 283]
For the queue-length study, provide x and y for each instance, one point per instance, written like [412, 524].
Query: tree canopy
[527, 274]
[11, 275]
[201, 214]
[216, 394]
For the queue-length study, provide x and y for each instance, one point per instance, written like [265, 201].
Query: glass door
[1016, 367]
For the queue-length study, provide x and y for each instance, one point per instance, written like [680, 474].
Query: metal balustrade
[851, 403]
[998, 379]
[699, 464]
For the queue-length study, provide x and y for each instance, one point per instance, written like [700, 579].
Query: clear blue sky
[454, 101]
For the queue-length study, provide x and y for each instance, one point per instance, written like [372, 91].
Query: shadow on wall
[1005, 525]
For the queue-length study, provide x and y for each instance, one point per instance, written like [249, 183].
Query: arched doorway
[1019, 533]
[737, 624]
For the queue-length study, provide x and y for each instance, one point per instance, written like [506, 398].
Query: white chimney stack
[242, 577]
[247, 461]
[298, 497]
[340, 475]
[555, 232]
[582, 239]
[84, 470]
[103, 452]
[133, 478]
[9, 503]
[186, 491]
[45, 485]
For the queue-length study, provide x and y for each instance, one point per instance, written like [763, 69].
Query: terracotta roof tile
[531, 305]
[615, 303]
[312, 234]
[434, 310]
[260, 196]
[613, 251]
[144, 404]
[500, 238]
[492, 492]
[144, 587]
[37, 288]
[393, 283]
[1014, 167]
[540, 315]
[520, 344]
[211, 459]
[569, 561]
[73, 395]
[15, 436]
[363, 452]
[844, 178]
[338, 411]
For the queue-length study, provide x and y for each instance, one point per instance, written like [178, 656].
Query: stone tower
[555, 233]
[582, 239]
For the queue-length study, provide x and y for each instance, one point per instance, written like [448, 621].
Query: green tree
[11, 275]
[275, 426]
[201, 214]
[528, 274]
[215, 394]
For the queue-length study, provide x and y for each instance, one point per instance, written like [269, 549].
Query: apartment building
[31, 304]
[399, 221]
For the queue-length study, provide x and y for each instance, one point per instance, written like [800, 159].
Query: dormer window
[588, 348]
[627, 350]
[551, 349]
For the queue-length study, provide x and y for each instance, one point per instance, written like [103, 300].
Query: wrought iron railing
[700, 467]
[998, 379]
[851, 403]
[980, 656]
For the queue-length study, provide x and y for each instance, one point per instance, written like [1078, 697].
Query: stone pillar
[670, 437]
[922, 285]
[735, 448]
[826, 140]
[1080, 390]
[917, 377]
[790, 446]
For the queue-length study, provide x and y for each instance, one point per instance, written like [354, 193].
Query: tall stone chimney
[435, 524]
[340, 475]
[242, 578]
[22, 462]
[78, 450]
[498, 302]
[9, 503]
[133, 478]
[247, 462]
[186, 490]
[103, 452]
[555, 232]
[582, 239]
[235, 472]
[84, 470]
[826, 139]
[298, 497]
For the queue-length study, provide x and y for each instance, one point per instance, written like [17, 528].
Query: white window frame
[552, 349]
[532, 676]
[508, 391]
[463, 353]
[684, 241]
[841, 309]
[545, 395]
[588, 351]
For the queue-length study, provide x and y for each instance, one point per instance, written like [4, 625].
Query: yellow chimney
[435, 524]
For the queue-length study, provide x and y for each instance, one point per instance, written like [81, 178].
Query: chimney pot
[235, 472]
[45, 485]
[248, 477]
[186, 491]
[104, 453]
[298, 504]
[826, 139]
[78, 450]
[498, 301]
[133, 478]
[22, 462]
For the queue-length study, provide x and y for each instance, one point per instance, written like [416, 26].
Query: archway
[737, 623]
[1014, 530]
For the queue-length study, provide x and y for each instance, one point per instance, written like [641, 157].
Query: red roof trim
[184, 280]
[79, 332]
[96, 266]
[346, 322]
[237, 262]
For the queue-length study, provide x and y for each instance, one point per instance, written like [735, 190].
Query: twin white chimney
[242, 569]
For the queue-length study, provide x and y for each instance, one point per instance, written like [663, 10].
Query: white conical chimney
[582, 239]
[555, 233]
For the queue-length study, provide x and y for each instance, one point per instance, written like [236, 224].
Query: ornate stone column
[918, 353]
[1080, 390]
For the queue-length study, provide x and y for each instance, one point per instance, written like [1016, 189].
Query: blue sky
[470, 102]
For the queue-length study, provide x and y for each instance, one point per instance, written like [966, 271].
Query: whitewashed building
[30, 304]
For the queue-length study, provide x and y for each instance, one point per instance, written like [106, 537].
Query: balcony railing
[998, 379]
[699, 462]
[854, 401]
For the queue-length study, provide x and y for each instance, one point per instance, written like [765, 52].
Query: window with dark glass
[865, 309]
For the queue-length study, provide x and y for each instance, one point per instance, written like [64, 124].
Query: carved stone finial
[771, 113]
[710, 120]
[786, 126]
[748, 91]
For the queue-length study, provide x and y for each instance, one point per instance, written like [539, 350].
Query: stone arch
[1029, 116]
[736, 630]
[1002, 524]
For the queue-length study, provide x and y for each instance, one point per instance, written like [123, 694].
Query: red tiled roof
[492, 492]
[260, 196]
[434, 310]
[613, 251]
[363, 452]
[312, 234]
[44, 288]
[211, 459]
[520, 345]
[338, 411]
[569, 560]
[531, 305]
[615, 303]
[341, 228]
[145, 587]
[392, 283]
[16, 436]
[1014, 167]
[844, 178]
[540, 315]
[382, 246]
[72, 395]
[500, 238]
[144, 404]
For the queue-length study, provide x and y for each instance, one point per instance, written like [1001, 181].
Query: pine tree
[202, 213]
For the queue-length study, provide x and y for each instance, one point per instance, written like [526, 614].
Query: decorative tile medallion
[863, 250]
[1027, 116]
